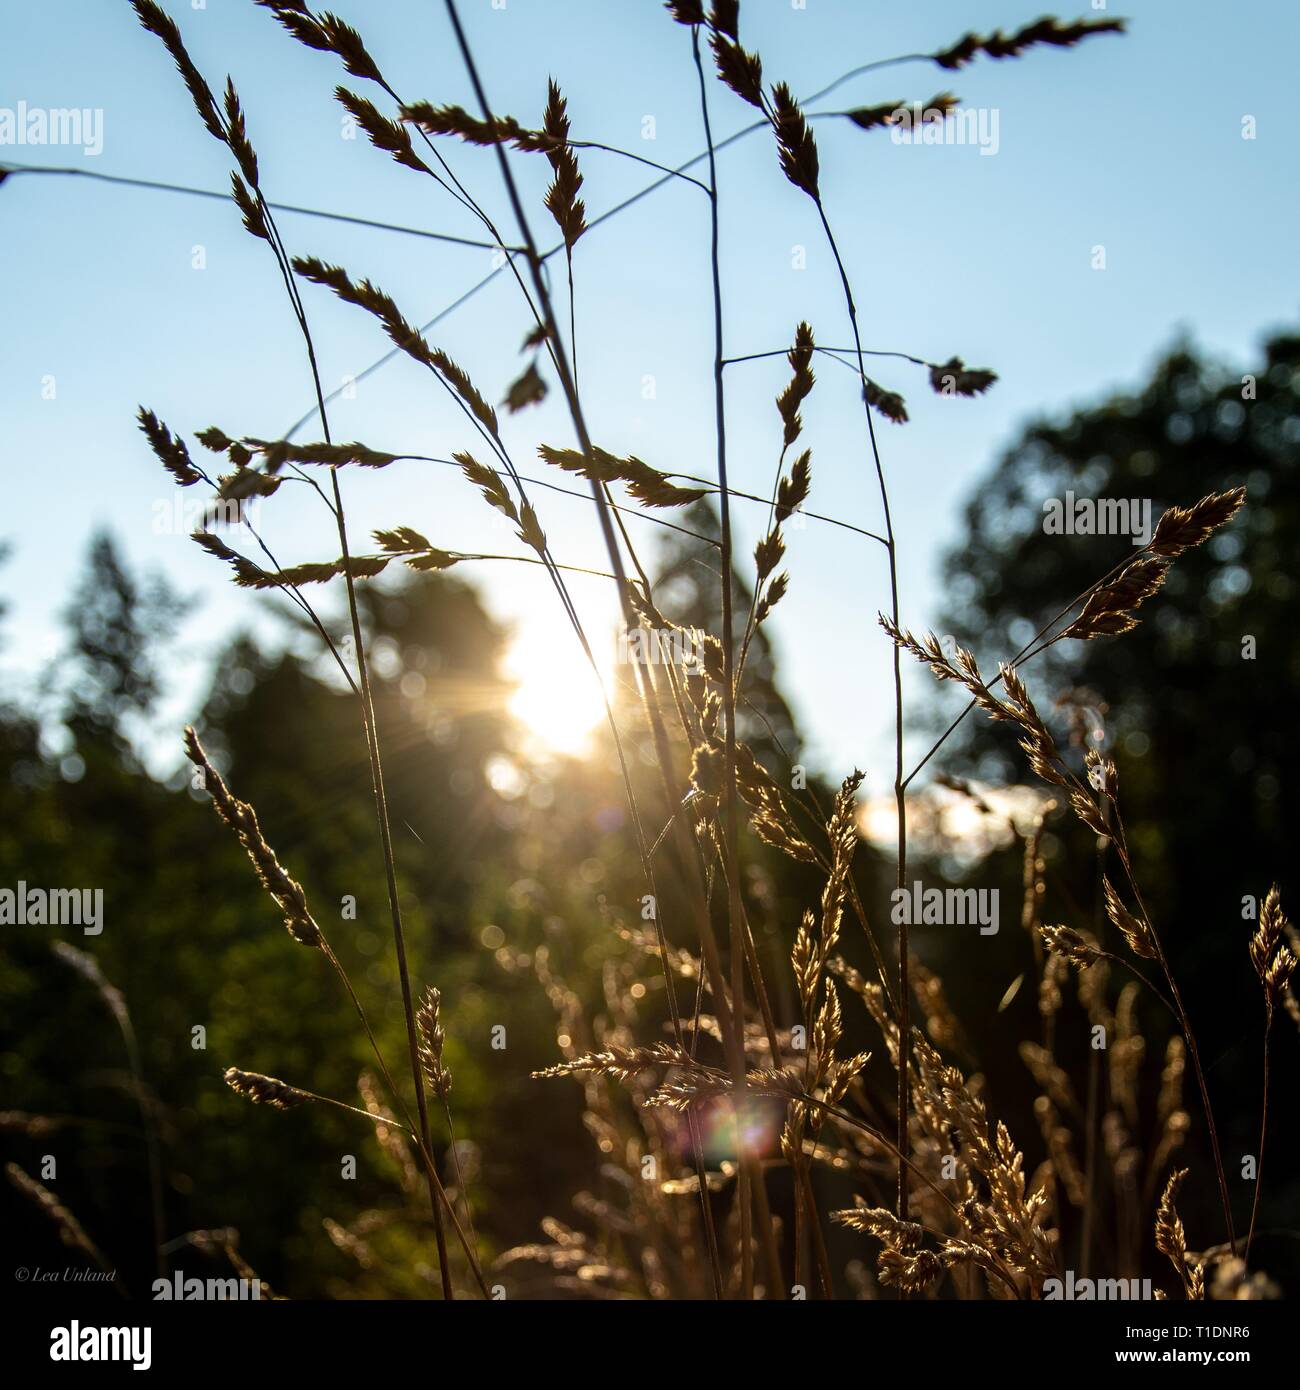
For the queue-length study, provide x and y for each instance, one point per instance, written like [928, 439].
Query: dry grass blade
[955, 378]
[170, 449]
[802, 381]
[433, 1040]
[403, 334]
[688, 12]
[648, 485]
[250, 209]
[1273, 962]
[320, 572]
[158, 22]
[326, 33]
[237, 136]
[390, 136]
[1043, 31]
[886, 113]
[842, 834]
[724, 16]
[71, 1231]
[795, 143]
[889, 403]
[489, 484]
[528, 389]
[242, 819]
[264, 1090]
[1109, 609]
[902, 1262]
[1181, 528]
[277, 453]
[772, 595]
[455, 120]
[562, 200]
[699, 1085]
[1071, 945]
[741, 71]
[1135, 931]
[690, 1082]
[624, 1064]
[1171, 1240]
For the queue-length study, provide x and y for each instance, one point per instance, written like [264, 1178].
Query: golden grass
[966, 1217]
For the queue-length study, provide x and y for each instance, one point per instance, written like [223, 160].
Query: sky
[115, 297]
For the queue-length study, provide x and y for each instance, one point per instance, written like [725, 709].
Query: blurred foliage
[1197, 717]
[513, 866]
[499, 855]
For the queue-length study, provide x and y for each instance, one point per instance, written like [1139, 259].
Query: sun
[557, 698]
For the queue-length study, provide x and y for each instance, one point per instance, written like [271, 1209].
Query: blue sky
[1132, 143]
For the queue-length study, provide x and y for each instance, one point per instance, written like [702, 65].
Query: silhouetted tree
[108, 675]
[1196, 703]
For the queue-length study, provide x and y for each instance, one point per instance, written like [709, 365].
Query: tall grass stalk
[999, 1229]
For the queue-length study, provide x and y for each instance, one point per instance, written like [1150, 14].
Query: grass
[963, 1216]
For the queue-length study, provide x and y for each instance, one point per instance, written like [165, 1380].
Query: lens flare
[557, 698]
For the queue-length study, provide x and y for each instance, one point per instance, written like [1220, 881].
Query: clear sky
[1132, 143]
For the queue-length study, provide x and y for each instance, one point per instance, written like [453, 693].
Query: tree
[108, 676]
[1196, 704]
[1195, 699]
